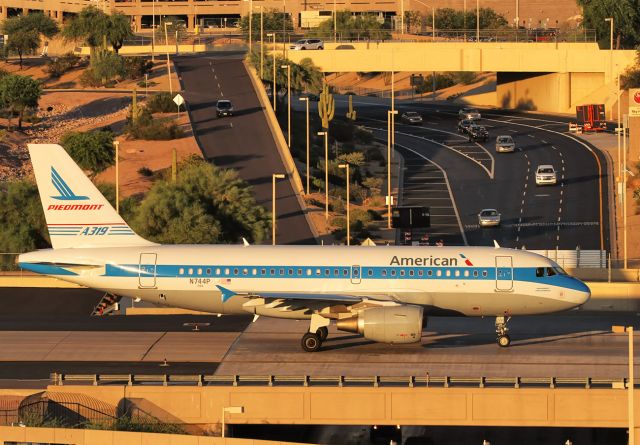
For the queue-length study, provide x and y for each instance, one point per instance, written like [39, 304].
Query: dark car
[477, 133]
[463, 126]
[224, 108]
[411, 118]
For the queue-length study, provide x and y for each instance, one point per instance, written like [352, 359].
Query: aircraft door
[504, 273]
[356, 272]
[147, 270]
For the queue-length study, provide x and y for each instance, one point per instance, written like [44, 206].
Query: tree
[626, 18]
[447, 18]
[631, 77]
[19, 93]
[275, 21]
[22, 223]
[95, 29]
[91, 150]
[24, 32]
[206, 204]
[175, 27]
[364, 26]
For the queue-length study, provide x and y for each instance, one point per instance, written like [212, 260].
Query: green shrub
[60, 65]
[145, 171]
[136, 67]
[156, 130]
[342, 131]
[464, 77]
[92, 150]
[161, 103]
[362, 135]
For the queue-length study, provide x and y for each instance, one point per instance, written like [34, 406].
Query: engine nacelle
[390, 324]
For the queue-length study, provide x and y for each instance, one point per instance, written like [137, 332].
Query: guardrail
[336, 381]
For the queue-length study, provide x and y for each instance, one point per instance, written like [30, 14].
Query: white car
[307, 44]
[489, 218]
[469, 113]
[546, 175]
[505, 144]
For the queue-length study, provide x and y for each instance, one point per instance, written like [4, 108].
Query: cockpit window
[540, 272]
[559, 270]
[550, 271]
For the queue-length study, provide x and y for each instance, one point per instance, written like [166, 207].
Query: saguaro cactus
[351, 114]
[174, 165]
[136, 110]
[326, 106]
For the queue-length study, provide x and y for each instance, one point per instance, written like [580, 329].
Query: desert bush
[136, 67]
[145, 171]
[155, 130]
[60, 65]
[464, 77]
[92, 150]
[161, 103]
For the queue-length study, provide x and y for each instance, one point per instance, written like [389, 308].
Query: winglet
[245, 243]
[226, 293]
[495, 244]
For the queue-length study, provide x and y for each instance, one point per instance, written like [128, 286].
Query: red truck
[591, 117]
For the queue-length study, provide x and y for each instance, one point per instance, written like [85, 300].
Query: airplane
[383, 293]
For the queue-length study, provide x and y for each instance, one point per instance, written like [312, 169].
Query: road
[570, 214]
[242, 142]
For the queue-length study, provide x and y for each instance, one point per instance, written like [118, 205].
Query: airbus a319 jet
[383, 293]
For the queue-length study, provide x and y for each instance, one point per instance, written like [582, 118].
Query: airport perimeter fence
[425, 381]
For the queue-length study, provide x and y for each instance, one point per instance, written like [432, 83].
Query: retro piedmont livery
[383, 293]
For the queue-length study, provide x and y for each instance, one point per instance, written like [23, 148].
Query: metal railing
[64, 413]
[336, 381]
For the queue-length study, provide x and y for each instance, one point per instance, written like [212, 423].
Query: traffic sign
[634, 102]
[179, 100]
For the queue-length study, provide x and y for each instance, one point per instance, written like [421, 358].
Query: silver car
[505, 144]
[489, 218]
[469, 113]
[546, 175]
[411, 118]
[307, 44]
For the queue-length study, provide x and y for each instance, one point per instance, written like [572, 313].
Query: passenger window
[466, 273]
[484, 273]
[448, 273]
[411, 273]
[263, 272]
[420, 273]
[370, 272]
[190, 271]
[272, 272]
[299, 271]
[429, 273]
[208, 271]
[475, 274]
[235, 271]
[318, 272]
[327, 272]
[290, 271]
[345, 272]
[226, 271]
[181, 271]
[336, 272]
[217, 271]
[539, 271]
[384, 272]
[393, 272]
[281, 272]
[356, 272]
[309, 272]
[402, 273]
[199, 271]
[254, 271]
[438, 273]
[245, 271]
[457, 273]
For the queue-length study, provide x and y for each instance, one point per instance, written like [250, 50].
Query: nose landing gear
[501, 330]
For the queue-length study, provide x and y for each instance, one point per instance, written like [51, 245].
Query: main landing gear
[312, 341]
[501, 330]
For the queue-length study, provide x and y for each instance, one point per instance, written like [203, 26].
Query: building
[211, 14]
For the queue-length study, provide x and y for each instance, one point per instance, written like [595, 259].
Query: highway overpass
[552, 77]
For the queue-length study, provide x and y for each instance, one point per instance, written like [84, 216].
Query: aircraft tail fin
[77, 214]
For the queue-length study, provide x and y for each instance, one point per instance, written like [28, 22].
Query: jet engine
[388, 324]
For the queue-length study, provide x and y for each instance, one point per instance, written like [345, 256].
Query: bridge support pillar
[191, 22]
[4, 12]
[25, 11]
[137, 22]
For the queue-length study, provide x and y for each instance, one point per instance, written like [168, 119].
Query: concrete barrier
[67, 436]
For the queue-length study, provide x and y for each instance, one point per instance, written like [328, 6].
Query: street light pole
[306, 101]
[230, 410]
[401, 17]
[261, 42]
[624, 192]
[273, 52]
[166, 40]
[250, 25]
[273, 205]
[153, 30]
[117, 146]
[631, 418]
[477, 21]
[326, 173]
[288, 68]
[390, 113]
[346, 166]
[335, 23]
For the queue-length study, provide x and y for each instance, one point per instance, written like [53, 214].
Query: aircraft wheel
[323, 333]
[311, 342]
[504, 341]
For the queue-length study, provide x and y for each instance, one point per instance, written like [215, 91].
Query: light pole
[273, 52]
[326, 173]
[230, 410]
[273, 205]
[250, 25]
[153, 30]
[288, 68]
[306, 101]
[630, 383]
[346, 167]
[166, 41]
[261, 42]
[610, 20]
[390, 114]
[477, 21]
[117, 147]
[335, 23]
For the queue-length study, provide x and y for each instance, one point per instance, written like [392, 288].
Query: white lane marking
[221, 94]
[544, 142]
[531, 136]
[541, 195]
[446, 178]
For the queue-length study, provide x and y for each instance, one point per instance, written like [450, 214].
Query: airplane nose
[582, 292]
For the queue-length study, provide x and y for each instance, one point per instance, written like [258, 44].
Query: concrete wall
[96, 437]
[382, 405]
